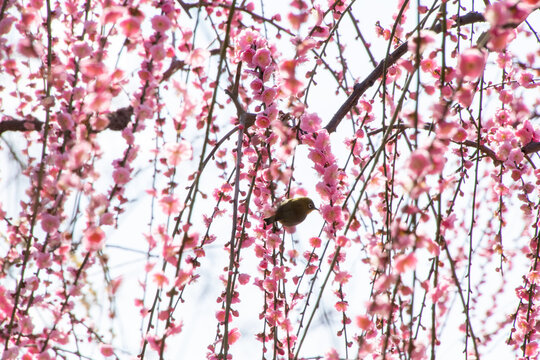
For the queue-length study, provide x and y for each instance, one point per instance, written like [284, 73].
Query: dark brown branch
[531, 147]
[118, 121]
[12, 124]
[360, 88]
[482, 148]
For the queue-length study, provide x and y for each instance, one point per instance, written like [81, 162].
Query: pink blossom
[471, 64]
[310, 122]
[296, 20]
[191, 241]
[504, 150]
[273, 241]
[262, 58]
[111, 14]
[169, 204]
[154, 342]
[79, 155]
[81, 49]
[342, 277]
[405, 263]
[94, 239]
[131, 27]
[256, 85]
[220, 316]
[247, 38]
[106, 219]
[269, 285]
[531, 350]
[160, 279]
[268, 95]
[343, 241]
[320, 31]
[158, 52]
[5, 24]
[43, 260]
[243, 278]
[184, 276]
[174, 328]
[307, 44]
[234, 335]
[332, 354]
[121, 175]
[426, 38]
[92, 68]
[99, 101]
[247, 56]
[500, 38]
[526, 79]
[262, 121]
[161, 23]
[331, 213]
[515, 156]
[525, 132]
[30, 48]
[460, 135]
[127, 134]
[49, 223]
[106, 350]
[175, 153]
[363, 322]
[198, 57]
[503, 117]
[428, 65]
[506, 96]
[419, 162]
[339, 6]
[144, 111]
[291, 85]
[315, 242]
[341, 306]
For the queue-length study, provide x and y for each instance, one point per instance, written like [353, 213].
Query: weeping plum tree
[144, 142]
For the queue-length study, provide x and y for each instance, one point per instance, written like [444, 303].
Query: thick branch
[118, 121]
[360, 88]
[12, 124]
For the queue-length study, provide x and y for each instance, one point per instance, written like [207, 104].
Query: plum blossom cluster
[333, 179]
[255, 52]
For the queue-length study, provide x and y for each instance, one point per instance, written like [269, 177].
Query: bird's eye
[310, 206]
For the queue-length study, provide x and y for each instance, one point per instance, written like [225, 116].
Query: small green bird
[292, 212]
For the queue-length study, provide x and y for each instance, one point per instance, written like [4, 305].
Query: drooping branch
[360, 88]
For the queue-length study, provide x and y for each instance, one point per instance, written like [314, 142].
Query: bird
[292, 212]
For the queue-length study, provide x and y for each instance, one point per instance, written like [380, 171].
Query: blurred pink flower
[198, 57]
[121, 176]
[234, 335]
[175, 153]
[94, 239]
[131, 27]
[471, 64]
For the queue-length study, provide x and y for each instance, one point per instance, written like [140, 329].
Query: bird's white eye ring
[311, 206]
